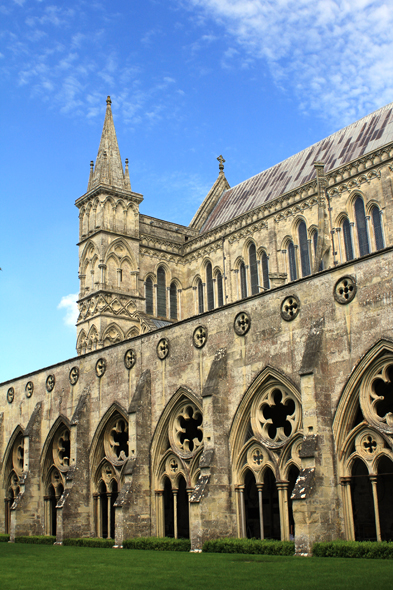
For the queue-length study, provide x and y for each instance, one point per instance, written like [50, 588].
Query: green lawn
[39, 567]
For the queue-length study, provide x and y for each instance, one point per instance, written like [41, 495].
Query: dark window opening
[209, 286]
[265, 270]
[347, 240]
[149, 296]
[173, 301]
[278, 414]
[361, 227]
[161, 292]
[304, 253]
[362, 503]
[169, 524]
[376, 215]
[220, 294]
[183, 519]
[271, 510]
[292, 261]
[243, 280]
[251, 505]
[253, 269]
[200, 297]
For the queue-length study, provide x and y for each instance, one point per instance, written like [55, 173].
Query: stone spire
[109, 169]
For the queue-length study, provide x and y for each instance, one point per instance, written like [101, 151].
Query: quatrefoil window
[345, 290]
[290, 308]
[50, 383]
[187, 429]
[242, 323]
[275, 415]
[18, 454]
[200, 337]
[129, 358]
[163, 348]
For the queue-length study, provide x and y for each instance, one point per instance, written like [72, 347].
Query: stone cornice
[109, 190]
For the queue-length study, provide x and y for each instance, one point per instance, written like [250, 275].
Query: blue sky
[255, 80]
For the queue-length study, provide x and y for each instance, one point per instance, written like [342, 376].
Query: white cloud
[68, 302]
[337, 55]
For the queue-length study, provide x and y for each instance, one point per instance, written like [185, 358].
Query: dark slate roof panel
[362, 137]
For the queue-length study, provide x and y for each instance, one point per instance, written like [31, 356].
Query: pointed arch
[7, 457]
[60, 421]
[113, 333]
[99, 431]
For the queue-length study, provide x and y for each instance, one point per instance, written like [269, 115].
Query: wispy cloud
[337, 55]
[68, 302]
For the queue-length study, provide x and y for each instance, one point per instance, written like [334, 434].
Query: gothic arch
[114, 409]
[113, 333]
[264, 440]
[363, 434]
[176, 447]
[120, 242]
[61, 421]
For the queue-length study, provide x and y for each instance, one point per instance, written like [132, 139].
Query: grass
[41, 567]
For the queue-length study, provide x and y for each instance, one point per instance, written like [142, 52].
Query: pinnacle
[109, 169]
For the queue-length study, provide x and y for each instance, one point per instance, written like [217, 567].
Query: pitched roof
[366, 135]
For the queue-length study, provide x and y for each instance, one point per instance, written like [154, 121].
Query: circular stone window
[50, 383]
[275, 415]
[163, 348]
[199, 337]
[242, 323]
[129, 359]
[290, 308]
[29, 389]
[185, 429]
[116, 440]
[345, 290]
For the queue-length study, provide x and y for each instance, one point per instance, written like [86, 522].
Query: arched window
[173, 301]
[304, 253]
[361, 227]
[220, 293]
[292, 261]
[161, 292]
[265, 270]
[149, 296]
[209, 286]
[315, 244]
[243, 280]
[200, 296]
[347, 240]
[376, 215]
[253, 269]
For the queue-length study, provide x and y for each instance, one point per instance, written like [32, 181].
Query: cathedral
[233, 378]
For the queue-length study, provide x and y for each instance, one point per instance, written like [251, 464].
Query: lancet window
[243, 280]
[200, 296]
[361, 226]
[265, 270]
[377, 226]
[253, 269]
[292, 261]
[220, 293]
[209, 286]
[347, 240]
[161, 292]
[304, 252]
[149, 296]
[173, 301]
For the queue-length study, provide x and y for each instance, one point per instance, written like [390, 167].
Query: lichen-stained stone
[231, 379]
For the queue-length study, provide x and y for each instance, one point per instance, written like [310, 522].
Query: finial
[127, 162]
[91, 165]
[221, 165]
[108, 100]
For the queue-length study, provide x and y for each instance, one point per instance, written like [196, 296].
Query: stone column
[373, 479]
[174, 492]
[160, 513]
[345, 482]
[108, 536]
[282, 487]
[260, 505]
[243, 530]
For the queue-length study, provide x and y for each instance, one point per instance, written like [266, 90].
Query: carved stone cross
[221, 160]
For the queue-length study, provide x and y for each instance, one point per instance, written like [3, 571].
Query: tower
[109, 298]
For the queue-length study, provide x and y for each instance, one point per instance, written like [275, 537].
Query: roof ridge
[381, 109]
